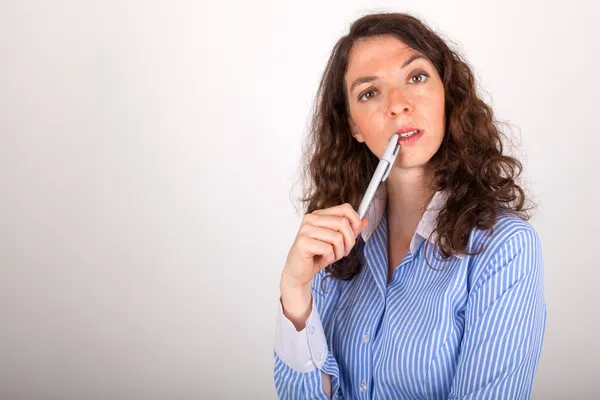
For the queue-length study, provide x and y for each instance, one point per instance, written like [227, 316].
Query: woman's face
[401, 91]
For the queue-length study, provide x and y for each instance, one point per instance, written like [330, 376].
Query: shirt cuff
[305, 350]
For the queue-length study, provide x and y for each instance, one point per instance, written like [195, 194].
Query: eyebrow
[365, 79]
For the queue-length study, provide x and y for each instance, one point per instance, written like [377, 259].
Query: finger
[335, 223]
[322, 252]
[343, 210]
[337, 239]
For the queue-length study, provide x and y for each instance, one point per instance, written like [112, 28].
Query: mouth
[407, 132]
[409, 136]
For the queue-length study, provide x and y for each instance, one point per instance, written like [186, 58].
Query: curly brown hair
[469, 164]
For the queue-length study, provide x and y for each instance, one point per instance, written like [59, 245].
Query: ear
[355, 132]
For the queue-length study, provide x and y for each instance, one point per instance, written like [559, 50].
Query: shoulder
[507, 226]
[511, 247]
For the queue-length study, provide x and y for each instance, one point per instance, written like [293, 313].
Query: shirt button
[312, 330]
[320, 356]
[363, 386]
[366, 338]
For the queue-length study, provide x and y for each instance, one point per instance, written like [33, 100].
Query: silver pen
[381, 173]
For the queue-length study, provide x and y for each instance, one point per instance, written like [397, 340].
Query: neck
[409, 192]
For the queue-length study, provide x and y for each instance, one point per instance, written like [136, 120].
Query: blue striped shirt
[471, 327]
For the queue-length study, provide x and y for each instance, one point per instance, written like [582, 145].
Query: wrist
[297, 304]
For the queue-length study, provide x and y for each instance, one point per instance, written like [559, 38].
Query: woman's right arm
[304, 367]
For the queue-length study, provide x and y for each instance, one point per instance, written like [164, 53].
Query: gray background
[148, 151]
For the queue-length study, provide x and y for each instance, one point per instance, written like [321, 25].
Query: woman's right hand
[325, 236]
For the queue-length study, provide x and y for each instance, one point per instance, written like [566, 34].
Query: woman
[438, 292]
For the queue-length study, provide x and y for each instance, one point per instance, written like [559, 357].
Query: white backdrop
[148, 153]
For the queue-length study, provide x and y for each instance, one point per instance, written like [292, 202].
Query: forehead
[369, 54]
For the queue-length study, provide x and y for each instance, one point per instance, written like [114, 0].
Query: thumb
[363, 224]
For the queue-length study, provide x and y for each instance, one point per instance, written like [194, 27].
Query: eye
[423, 76]
[363, 94]
[419, 74]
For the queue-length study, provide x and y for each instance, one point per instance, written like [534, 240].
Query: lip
[411, 140]
[406, 129]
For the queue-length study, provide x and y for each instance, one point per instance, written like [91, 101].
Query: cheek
[434, 106]
[441, 104]
[370, 119]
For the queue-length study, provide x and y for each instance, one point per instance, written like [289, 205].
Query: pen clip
[390, 162]
[387, 172]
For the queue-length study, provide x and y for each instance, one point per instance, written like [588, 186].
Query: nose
[398, 102]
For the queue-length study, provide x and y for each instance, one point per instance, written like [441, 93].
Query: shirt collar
[426, 224]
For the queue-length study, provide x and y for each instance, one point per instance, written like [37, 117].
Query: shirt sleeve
[302, 357]
[303, 350]
[505, 319]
